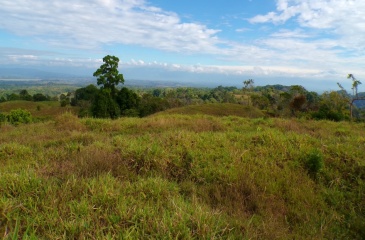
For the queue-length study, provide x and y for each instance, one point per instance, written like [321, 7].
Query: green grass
[180, 176]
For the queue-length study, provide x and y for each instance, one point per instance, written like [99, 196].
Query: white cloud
[287, 33]
[227, 70]
[17, 58]
[91, 23]
[345, 19]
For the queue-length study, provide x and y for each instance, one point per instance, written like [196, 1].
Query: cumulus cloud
[91, 23]
[343, 18]
[239, 70]
[94, 24]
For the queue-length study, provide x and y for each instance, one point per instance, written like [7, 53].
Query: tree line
[107, 100]
[24, 95]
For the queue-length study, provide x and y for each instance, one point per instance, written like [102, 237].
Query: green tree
[39, 97]
[355, 96]
[355, 84]
[64, 102]
[150, 104]
[13, 97]
[87, 93]
[108, 75]
[332, 106]
[128, 101]
[24, 95]
[248, 84]
[104, 106]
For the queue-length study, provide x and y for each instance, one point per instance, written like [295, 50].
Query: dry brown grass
[201, 124]
[217, 109]
[47, 110]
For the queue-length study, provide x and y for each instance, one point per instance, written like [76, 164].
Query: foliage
[128, 102]
[13, 97]
[104, 106]
[314, 162]
[39, 97]
[24, 95]
[325, 112]
[87, 93]
[18, 116]
[332, 106]
[108, 75]
[65, 102]
[298, 102]
[248, 84]
[2, 117]
[150, 104]
[355, 84]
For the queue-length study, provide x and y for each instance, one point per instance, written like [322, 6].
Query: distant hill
[361, 103]
[29, 73]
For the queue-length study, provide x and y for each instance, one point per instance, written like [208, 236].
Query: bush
[314, 162]
[65, 102]
[18, 116]
[2, 117]
[39, 97]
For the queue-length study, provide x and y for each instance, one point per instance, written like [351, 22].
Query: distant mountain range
[29, 73]
[29, 76]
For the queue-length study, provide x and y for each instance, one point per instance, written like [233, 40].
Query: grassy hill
[182, 176]
[39, 110]
[217, 109]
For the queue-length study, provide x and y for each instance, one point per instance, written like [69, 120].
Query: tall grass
[182, 176]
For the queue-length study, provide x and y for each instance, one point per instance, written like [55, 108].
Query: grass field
[182, 176]
[39, 110]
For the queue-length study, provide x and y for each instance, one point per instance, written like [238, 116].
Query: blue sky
[315, 43]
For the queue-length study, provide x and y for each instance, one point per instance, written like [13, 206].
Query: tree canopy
[108, 75]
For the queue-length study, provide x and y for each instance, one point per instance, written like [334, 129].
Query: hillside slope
[182, 177]
[217, 109]
[39, 110]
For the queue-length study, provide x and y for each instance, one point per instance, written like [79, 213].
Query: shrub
[39, 97]
[65, 102]
[18, 116]
[2, 117]
[314, 162]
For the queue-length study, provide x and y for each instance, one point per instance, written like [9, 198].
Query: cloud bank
[304, 38]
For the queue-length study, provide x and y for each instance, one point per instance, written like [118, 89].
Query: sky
[314, 43]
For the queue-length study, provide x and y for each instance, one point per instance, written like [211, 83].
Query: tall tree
[248, 86]
[355, 96]
[355, 84]
[108, 75]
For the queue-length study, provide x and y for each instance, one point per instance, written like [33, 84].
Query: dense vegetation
[183, 176]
